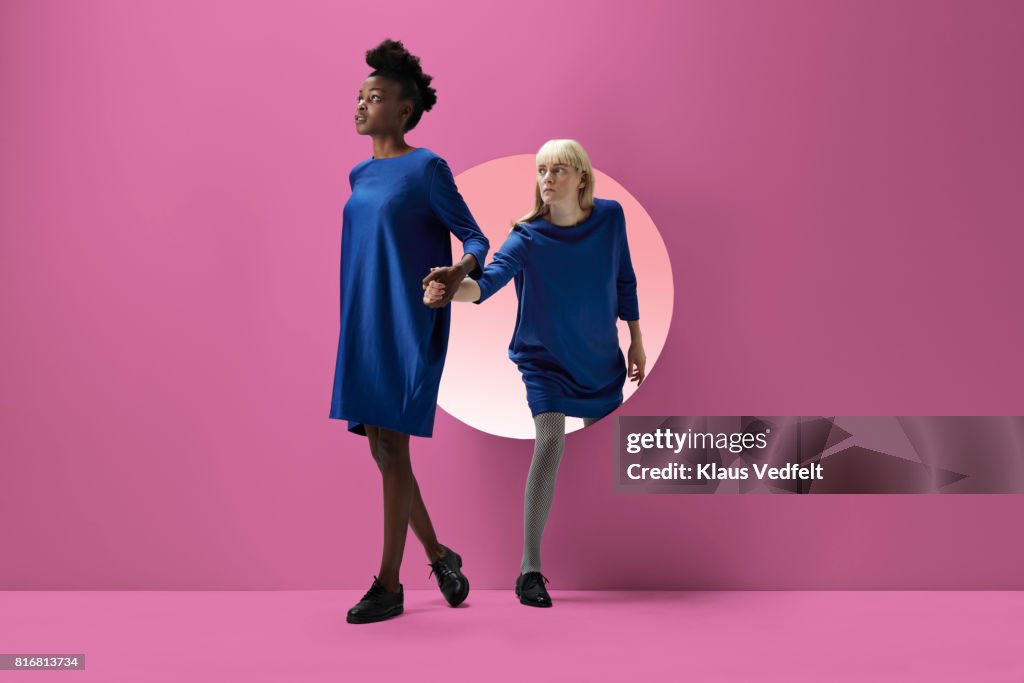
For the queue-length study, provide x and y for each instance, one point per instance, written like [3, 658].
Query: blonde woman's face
[558, 183]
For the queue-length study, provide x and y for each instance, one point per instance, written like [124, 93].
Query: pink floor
[587, 636]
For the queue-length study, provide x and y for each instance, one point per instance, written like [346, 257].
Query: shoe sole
[532, 604]
[393, 612]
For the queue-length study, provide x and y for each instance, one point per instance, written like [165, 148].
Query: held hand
[433, 293]
[636, 363]
[449, 277]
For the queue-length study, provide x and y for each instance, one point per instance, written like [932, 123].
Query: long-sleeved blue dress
[572, 283]
[391, 348]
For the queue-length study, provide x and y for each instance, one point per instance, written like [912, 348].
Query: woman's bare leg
[396, 474]
[419, 519]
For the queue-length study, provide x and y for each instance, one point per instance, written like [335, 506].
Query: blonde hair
[570, 153]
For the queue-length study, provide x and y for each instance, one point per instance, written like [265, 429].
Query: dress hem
[358, 426]
[588, 408]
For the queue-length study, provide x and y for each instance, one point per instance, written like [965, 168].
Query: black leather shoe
[377, 605]
[453, 583]
[531, 591]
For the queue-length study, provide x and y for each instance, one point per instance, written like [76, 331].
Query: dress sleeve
[508, 261]
[451, 209]
[625, 283]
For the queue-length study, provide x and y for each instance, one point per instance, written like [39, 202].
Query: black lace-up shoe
[453, 583]
[531, 591]
[377, 605]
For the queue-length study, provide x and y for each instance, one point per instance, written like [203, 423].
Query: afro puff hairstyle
[391, 60]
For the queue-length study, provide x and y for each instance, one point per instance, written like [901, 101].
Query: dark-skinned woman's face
[379, 109]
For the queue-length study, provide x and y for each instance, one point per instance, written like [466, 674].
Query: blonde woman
[569, 258]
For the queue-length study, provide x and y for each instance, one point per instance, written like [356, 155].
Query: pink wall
[837, 184]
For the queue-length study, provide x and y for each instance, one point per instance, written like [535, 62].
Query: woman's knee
[550, 439]
[392, 450]
[371, 438]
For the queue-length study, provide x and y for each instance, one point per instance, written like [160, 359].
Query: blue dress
[572, 284]
[391, 348]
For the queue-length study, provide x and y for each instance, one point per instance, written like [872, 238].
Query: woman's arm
[625, 280]
[629, 309]
[636, 360]
[450, 208]
[508, 261]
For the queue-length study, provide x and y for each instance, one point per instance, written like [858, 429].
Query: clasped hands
[441, 284]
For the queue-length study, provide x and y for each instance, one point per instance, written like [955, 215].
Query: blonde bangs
[566, 152]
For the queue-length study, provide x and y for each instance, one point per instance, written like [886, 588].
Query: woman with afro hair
[391, 349]
[574, 279]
